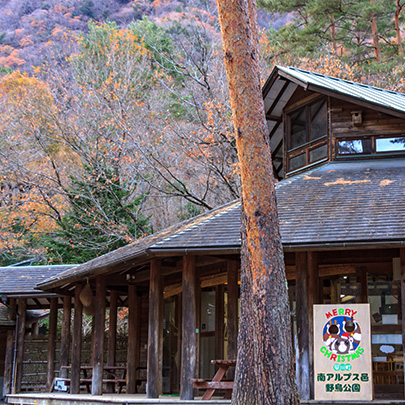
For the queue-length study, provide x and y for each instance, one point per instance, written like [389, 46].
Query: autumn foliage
[115, 129]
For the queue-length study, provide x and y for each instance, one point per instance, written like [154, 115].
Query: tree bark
[264, 373]
[398, 9]
[374, 30]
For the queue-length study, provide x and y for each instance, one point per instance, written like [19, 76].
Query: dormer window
[307, 134]
[370, 145]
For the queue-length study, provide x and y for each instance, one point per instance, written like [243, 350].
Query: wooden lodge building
[338, 151]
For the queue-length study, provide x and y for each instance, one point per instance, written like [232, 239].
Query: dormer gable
[313, 118]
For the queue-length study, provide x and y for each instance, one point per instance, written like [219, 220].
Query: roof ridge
[342, 80]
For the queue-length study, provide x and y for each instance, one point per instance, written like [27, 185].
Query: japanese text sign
[342, 352]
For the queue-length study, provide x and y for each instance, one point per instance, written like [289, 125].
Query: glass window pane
[208, 310]
[298, 129]
[318, 153]
[390, 144]
[354, 146]
[297, 162]
[319, 122]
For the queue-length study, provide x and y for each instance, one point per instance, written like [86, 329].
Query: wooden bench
[216, 383]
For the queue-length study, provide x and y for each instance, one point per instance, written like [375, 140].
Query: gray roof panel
[333, 204]
[23, 279]
[385, 98]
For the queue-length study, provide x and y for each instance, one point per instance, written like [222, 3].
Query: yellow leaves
[26, 41]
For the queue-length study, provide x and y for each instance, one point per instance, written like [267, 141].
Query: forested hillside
[115, 120]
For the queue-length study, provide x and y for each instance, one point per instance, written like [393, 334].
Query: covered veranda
[183, 282]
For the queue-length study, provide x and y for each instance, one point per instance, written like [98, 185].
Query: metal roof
[374, 95]
[333, 205]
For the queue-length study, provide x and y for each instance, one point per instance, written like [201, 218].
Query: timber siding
[374, 122]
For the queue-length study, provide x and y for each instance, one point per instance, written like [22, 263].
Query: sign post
[342, 352]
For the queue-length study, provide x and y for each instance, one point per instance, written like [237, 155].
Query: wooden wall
[374, 122]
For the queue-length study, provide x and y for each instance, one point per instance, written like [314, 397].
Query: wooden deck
[140, 399]
[105, 399]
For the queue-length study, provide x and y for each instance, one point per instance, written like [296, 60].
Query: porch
[141, 399]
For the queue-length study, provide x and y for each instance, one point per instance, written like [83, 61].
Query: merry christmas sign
[342, 352]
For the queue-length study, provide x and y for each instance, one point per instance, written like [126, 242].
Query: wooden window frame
[373, 154]
[308, 146]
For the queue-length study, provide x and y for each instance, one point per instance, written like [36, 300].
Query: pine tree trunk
[333, 34]
[264, 373]
[398, 10]
[374, 30]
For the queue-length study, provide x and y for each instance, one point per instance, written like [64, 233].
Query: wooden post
[232, 320]
[98, 342]
[76, 342]
[22, 307]
[53, 323]
[313, 298]
[65, 336]
[402, 261]
[133, 338]
[302, 353]
[155, 331]
[112, 335]
[197, 300]
[219, 322]
[35, 329]
[179, 310]
[188, 357]
[8, 361]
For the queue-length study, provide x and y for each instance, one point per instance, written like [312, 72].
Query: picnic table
[115, 375]
[216, 383]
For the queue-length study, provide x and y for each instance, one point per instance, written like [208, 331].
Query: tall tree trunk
[374, 30]
[398, 9]
[264, 373]
[333, 34]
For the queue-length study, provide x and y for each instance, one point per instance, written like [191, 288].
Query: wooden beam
[302, 353]
[277, 99]
[98, 341]
[8, 361]
[188, 356]
[53, 323]
[171, 290]
[76, 342]
[112, 335]
[213, 280]
[21, 317]
[232, 320]
[133, 338]
[65, 336]
[155, 331]
[313, 298]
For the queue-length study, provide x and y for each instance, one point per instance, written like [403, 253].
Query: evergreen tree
[103, 215]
